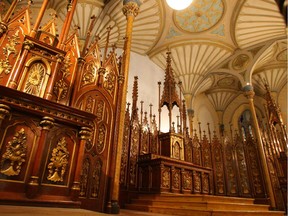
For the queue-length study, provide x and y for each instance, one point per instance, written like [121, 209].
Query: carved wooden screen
[256, 176]
[230, 168]
[96, 158]
[133, 154]
[218, 166]
[125, 150]
[242, 170]
[196, 150]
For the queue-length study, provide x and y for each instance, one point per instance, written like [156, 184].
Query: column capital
[248, 91]
[4, 111]
[190, 113]
[3, 28]
[28, 45]
[85, 133]
[131, 7]
[47, 123]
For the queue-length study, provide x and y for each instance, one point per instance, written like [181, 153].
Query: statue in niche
[58, 161]
[15, 154]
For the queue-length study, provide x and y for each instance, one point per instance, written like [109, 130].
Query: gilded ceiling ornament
[200, 15]
[240, 62]
[15, 154]
[58, 161]
[226, 82]
[282, 56]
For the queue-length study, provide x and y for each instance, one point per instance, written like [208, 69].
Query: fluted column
[85, 133]
[130, 10]
[4, 111]
[33, 186]
[249, 94]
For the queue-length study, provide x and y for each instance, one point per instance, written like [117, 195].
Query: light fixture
[179, 4]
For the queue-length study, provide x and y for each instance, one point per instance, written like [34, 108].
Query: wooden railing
[163, 174]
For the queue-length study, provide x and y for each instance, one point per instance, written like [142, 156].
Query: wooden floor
[9, 210]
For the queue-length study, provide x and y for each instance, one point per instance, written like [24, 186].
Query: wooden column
[16, 71]
[66, 26]
[49, 91]
[81, 61]
[249, 93]
[4, 111]
[33, 186]
[3, 23]
[85, 133]
[130, 10]
[39, 18]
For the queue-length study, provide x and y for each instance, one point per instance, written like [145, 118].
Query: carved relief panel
[11, 42]
[61, 150]
[17, 141]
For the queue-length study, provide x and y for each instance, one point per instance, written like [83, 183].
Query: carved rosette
[15, 154]
[58, 161]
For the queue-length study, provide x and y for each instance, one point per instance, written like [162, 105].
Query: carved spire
[169, 96]
[273, 108]
[135, 98]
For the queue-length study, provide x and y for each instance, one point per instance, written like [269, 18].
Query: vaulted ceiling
[217, 46]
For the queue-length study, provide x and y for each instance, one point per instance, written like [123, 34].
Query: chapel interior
[111, 105]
